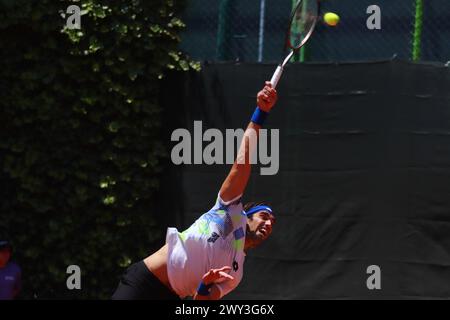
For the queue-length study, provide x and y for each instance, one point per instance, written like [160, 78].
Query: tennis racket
[303, 20]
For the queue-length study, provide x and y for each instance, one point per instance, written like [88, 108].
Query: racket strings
[302, 22]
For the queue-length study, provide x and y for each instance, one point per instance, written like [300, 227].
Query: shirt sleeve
[232, 206]
[18, 285]
[227, 203]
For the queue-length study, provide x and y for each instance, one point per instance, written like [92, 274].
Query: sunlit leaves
[80, 157]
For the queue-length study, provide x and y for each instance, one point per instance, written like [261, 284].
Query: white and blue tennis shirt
[213, 241]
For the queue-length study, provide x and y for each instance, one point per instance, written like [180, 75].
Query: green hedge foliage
[80, 147]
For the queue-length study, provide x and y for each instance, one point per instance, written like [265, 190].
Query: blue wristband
[259, 116]
[203, 289]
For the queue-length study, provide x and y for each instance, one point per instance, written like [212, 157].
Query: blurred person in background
[10, 273]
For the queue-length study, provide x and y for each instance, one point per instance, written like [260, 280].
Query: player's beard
[253, 238]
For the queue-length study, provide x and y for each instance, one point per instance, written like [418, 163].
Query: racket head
[303, 20]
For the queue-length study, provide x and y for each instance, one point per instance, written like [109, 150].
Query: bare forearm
[200, 297]
[236, 181]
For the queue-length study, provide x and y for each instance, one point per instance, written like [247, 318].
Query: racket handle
[276, 76]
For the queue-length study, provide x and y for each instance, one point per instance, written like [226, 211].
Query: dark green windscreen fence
[253, 30]
[363, 180]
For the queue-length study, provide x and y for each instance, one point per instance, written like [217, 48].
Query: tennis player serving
[206, 260]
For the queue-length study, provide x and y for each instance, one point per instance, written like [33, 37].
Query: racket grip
[276, 76]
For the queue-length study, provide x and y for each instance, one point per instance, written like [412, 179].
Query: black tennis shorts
[138, 283]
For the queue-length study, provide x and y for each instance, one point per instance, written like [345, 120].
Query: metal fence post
[223, 30]
[262, 11]
[417, 37]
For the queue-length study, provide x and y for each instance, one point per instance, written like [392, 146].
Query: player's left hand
[217, 275]
[267, 97]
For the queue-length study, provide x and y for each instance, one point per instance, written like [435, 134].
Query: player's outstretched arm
[236, 181]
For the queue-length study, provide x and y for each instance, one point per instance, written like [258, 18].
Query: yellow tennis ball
[331, 19]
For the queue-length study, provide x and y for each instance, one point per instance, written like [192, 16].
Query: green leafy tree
[80, 146]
